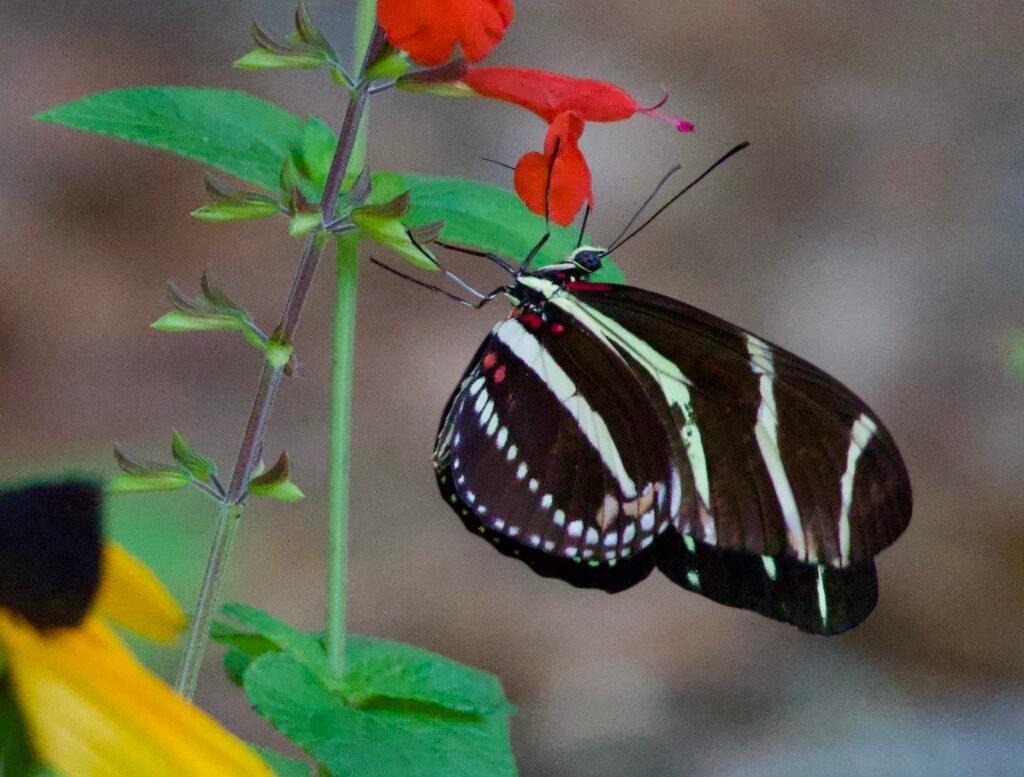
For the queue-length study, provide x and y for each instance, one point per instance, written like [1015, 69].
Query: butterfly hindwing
[551, 447]
[815, 598]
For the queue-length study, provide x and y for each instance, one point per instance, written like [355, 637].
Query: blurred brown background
[873, 227]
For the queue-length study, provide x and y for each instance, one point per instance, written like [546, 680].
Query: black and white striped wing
[551, 449]
[778, 458]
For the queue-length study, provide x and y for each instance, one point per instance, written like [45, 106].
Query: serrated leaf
[382, 742]
[378, 669]
[199, 466]
[300, 645]
[282, 765]
[230, 130]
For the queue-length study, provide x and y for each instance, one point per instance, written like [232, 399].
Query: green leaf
[300, 645]
[282, 765]
[379, 669]
[482, 216]
[316, 152]
[232, 131]
[375, 742]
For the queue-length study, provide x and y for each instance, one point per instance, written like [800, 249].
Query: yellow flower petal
[131, 596]
[93, 711]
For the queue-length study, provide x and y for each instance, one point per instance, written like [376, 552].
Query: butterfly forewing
[790, 462]
[551, 444]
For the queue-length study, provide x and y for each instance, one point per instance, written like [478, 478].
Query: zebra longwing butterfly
[601, 431]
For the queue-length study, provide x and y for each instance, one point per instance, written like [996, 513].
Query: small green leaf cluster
[396, 710]
[191, 467]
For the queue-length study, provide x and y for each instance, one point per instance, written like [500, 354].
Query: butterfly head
[587, 258]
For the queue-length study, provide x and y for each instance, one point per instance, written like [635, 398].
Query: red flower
[429, 29]
[566, 103]
[570, 176]
[549, 94]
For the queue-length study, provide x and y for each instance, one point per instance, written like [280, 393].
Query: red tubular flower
[549, 94]
[570, 176]
[564, 102]
[429, 29]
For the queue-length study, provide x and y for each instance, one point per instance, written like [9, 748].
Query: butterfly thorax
[533, 290]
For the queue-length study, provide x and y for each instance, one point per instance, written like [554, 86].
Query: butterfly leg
[482, 254]
[483, 298]
[448, 273]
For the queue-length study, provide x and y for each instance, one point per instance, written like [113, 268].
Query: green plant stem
[270, 381]
[341, 412]
[209, 593]
[341, 384]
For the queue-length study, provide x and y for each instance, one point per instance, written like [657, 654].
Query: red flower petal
[549, 94]
[429, 29]
[570, 176]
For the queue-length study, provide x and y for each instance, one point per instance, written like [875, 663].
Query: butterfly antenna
[499, 163]
[664, 179]
[583, 226]
[735, 150]
[547, 213]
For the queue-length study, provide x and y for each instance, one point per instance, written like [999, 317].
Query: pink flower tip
[682, 125]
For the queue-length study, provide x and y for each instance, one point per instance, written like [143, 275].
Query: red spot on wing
[489, 360]
[557, 328]
[531, 320]
[499, 374]
[587, 286]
